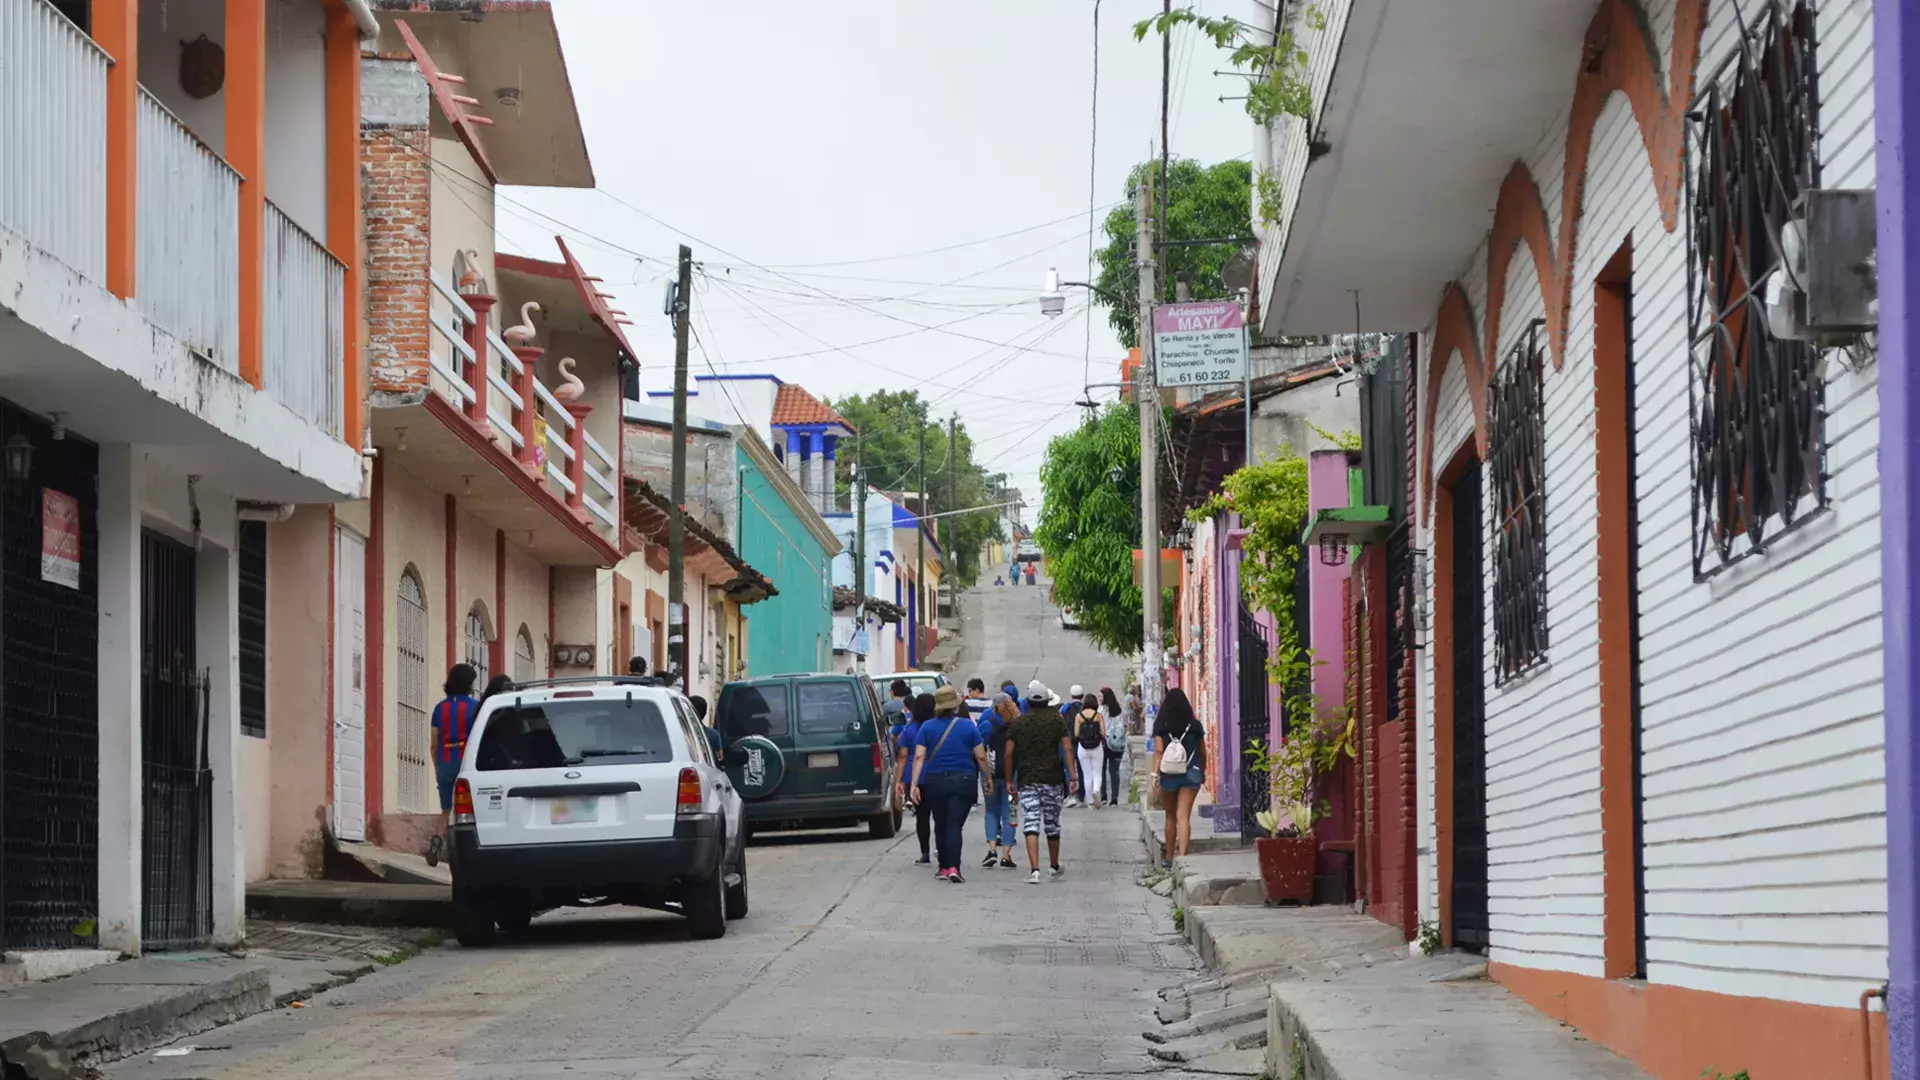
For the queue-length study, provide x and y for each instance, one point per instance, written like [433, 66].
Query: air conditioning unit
[1826, 290]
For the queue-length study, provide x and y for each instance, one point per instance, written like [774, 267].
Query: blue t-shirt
[956, 754]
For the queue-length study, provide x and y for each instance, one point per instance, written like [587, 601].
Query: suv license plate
[573, 811]
[823, 761]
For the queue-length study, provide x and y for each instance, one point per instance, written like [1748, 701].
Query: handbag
[1174, 760]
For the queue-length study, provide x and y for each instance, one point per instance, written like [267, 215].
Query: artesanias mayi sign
[1198, 344]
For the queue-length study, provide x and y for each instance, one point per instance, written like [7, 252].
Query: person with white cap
[1037, 764]
[1069, 707]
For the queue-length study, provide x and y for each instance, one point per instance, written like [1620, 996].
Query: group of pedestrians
[1024, 755]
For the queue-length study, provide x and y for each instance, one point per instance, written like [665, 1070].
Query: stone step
[1244, 1035]
[1213, 1019]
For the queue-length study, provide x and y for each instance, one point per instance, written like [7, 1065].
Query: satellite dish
[1237, 274]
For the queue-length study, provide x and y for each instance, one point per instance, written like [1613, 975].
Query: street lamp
[1053, 302]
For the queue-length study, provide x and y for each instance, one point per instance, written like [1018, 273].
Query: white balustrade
[189, 237]
[53, 135]
[304, 352]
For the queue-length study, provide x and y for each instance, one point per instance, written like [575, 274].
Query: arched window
[414, 696]
[523, 654]
[477, 638]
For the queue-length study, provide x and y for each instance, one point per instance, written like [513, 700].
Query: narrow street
[854, 962]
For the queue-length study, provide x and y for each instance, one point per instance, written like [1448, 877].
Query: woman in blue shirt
[949, 766]
[906, 735]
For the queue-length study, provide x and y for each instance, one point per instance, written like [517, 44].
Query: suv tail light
[462, 802]
[688, 801]
[879, 760]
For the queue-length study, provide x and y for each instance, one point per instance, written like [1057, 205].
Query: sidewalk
[64, 1027]
[1322, 993]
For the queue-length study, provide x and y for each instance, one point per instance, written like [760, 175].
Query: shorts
[1040, 809]
[1195, 776]
[445, 773]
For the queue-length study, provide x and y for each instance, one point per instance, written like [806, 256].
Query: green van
[809, 752]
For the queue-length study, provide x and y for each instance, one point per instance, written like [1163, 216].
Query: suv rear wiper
[598, 752]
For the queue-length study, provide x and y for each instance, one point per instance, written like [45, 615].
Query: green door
[836, 746]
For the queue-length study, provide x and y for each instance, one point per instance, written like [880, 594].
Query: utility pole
[860, 570]
[920, 539]
[676, 521]
[953, 495]
[1149, 400]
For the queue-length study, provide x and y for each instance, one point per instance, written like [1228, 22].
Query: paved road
[854, 964]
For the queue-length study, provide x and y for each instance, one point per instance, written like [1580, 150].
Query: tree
[1090, 524]
[890, 423]
[1203, 202]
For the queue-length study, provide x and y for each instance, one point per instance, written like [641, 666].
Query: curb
[395, 905]
[134, 1030]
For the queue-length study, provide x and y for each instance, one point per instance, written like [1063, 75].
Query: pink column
[523, 419]
[577, 465]
[482, 356]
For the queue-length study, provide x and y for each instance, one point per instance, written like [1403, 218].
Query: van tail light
[879, 760]
[462, 802]
[688, 801]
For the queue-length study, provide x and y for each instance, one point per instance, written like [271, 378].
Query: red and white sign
[1199, 344]
[59, 538]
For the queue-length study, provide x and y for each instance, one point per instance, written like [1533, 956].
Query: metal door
[349, 686]
[1255, 723]
[176, 895]
[1469, 715]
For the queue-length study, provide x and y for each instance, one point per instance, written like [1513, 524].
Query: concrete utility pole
[676, 521]
[920, 540]
[1149, 401]
[953, 490]
[860, 570]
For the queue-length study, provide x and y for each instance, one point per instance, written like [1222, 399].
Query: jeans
[1072, 784]
[999, 815]
[922, 822]
[446, 772]
[1113, 776]
[949, 795]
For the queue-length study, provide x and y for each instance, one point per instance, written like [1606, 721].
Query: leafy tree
[1090, 525]
[890, 422]
[1203, 202]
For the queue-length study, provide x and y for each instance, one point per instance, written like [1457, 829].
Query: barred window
[1518, 474]
[1758, 403]
[253, 628]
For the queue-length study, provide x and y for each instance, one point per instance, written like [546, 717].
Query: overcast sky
[813, 153]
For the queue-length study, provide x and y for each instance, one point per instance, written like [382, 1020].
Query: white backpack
[1174, 760]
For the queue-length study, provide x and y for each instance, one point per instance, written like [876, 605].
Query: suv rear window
[828, 706]
[553, 734]
[754, 710]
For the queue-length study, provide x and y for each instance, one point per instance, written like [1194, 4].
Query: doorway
[176, 895]
[349, 685]
[1469, 758]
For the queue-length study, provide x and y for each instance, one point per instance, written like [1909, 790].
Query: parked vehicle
[918, 682]
[809, 751]
[593, 790]
[1069, 619]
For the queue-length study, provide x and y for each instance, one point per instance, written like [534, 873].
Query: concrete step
[1250, 1034]
[1201, 1022]
[1212, 879]
[350, 903]
[108, 1013]
[395, 867]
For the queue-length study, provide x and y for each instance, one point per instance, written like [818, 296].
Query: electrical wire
[931, 251]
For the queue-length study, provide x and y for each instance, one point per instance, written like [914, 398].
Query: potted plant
[1287, 852]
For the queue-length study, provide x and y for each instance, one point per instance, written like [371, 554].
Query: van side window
[828, 706]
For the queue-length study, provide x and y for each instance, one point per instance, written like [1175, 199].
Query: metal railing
[305, 349]
[53, 135]
[189, 237]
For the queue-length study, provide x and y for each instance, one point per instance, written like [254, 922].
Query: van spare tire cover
[757, 766]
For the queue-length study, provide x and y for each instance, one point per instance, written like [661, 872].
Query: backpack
[1091, 735]
[1116, 735]
[1175, 760]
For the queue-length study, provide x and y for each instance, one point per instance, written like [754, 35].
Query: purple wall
[1226, 616]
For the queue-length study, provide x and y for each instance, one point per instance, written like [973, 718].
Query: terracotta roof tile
[794, 405]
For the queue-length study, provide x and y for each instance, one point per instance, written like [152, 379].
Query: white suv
[588, 791]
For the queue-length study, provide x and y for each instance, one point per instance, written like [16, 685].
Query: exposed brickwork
[1408, 805]
[397, 177]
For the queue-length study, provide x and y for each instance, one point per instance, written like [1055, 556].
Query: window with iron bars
[1758, 402]
[1518, 475]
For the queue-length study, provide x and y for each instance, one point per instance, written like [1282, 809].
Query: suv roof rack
[577, 680]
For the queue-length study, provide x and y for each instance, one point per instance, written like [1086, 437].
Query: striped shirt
[977, 707]
[452, 720]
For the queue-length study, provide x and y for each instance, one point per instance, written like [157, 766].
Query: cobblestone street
[854, 962]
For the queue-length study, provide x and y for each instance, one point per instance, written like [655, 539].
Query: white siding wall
[1761, 691]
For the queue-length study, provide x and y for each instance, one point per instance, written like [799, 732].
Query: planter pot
[1286, 867]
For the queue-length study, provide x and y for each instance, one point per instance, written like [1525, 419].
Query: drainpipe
[264, 511]
[1896, 92]
[363, 18]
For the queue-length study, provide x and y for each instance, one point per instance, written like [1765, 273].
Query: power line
[935, 250]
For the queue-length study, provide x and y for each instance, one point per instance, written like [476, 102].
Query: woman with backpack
[1090, 746]
[1179, 763]
[1116, 742]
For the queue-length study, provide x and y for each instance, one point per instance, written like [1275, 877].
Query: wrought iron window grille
[1519, 521]
[1758, 403]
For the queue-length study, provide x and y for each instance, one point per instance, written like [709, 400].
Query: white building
[1649, 712]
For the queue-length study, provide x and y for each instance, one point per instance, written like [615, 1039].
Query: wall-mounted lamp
[19, 451]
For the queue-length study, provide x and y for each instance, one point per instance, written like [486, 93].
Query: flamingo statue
[570, 387]
[471, 282]
[522, 334]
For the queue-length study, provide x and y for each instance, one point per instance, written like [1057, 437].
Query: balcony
[53, 124]
[304, 358]
[189, 237]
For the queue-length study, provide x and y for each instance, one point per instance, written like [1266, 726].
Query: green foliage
[1203, 201]
[1716, 1074]
[889, 422]
[1279, 69]
[1272, 499]
[1179, 919]
[1090, 524]
[1429, 939]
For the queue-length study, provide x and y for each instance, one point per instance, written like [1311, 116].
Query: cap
[1076, 691]
[946, 698]
[1037, 691]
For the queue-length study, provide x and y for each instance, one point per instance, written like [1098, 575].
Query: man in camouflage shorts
[1033, 764]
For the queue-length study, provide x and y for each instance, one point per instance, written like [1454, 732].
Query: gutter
[363, 18]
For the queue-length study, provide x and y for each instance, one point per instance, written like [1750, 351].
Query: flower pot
[1286, 867]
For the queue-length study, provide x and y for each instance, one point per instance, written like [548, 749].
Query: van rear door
[834, 738]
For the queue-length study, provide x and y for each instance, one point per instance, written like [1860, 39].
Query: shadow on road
[814, 836]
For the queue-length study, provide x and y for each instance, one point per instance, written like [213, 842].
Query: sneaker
[954, 877]
[989, 860]
[923, 861]
[941, 874]
[1054, 872]
[1006, 863]
[1033, 878]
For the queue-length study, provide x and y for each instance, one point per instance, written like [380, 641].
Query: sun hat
[946, 699]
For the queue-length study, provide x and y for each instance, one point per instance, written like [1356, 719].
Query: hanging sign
[59, 538]
[1199, 344]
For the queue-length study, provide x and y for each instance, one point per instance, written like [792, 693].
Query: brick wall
[396, 156]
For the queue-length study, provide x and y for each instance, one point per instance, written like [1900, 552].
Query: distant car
[576, 791]
[918, 682]
[809, 751]
[1069, 619]
[1028, 551]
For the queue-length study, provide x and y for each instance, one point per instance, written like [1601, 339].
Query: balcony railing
[53, 135]
[305, 348]
[526, 416]
[189, 237]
